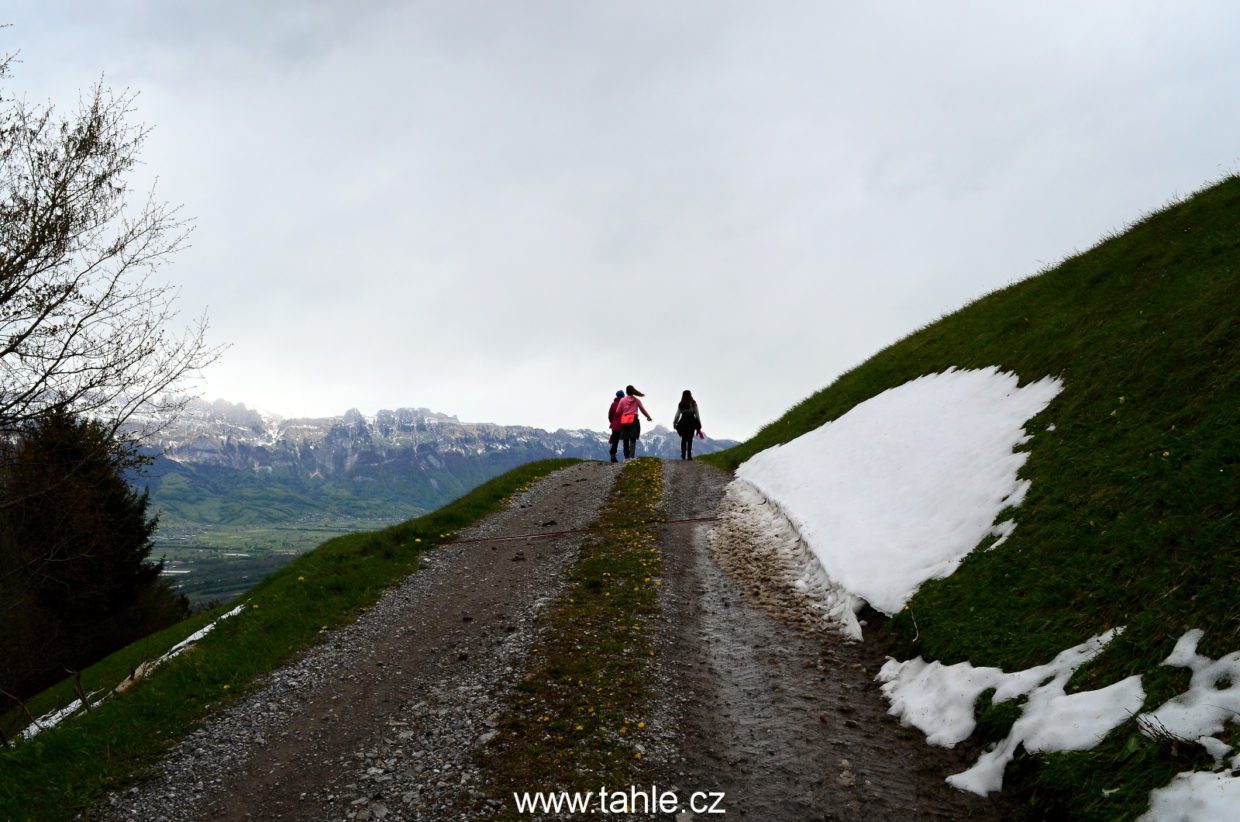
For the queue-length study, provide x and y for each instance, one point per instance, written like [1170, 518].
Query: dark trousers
[614, 442]
[686, 446]
[630, 432]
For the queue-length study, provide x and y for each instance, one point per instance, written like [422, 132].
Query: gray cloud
[507, 210]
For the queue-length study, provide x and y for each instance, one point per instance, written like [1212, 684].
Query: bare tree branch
[84, 326]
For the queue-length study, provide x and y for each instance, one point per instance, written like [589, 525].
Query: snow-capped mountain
[235, 436]
[225, 463]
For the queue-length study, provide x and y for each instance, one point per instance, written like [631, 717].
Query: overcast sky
[507, 210]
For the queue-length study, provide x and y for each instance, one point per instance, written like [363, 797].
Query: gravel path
[788, 722]
[378, 721]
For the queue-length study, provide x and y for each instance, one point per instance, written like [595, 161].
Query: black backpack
[688, 422]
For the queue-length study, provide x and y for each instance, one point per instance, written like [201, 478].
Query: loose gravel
[378, 721]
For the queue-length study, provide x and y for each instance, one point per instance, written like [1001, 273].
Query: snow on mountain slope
[231, 435]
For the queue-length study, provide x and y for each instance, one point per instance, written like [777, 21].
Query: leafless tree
[84, 325]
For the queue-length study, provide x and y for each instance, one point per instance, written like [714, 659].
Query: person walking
[613, 419]
[687, 423]
[630, 426]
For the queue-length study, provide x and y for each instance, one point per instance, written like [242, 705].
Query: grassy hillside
[62, 770]
[1131, 519]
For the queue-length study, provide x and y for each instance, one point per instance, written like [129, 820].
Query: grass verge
[64, 770]
[1130, 519]
[576, 719]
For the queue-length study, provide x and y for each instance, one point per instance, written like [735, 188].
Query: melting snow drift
[938, 700]
[899, 489]
[1211, 701]
[1195, 796]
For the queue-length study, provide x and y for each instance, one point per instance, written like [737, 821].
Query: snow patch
[939, 700]
[899, 489]
[54, 718]
[1195, 796]
[1211, 701]
[184, 644]
[1215, 747]
[1198, 715]
[51, 720]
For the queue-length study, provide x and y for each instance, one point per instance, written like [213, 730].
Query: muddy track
[789, 723]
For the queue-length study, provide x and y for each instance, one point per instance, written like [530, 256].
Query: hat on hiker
[619, 393]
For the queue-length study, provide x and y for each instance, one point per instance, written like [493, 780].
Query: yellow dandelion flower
[579, 728]
[641, 724]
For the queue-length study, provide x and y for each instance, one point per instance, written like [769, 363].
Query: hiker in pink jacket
[630, 426]
[613, 419]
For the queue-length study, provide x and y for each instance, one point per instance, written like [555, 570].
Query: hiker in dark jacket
[687, 423]
[630, 426]
[613, 419]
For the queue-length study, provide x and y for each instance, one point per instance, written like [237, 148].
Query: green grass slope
[1131, 519]
[63, 770]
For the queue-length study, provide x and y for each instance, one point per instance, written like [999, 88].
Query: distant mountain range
[221, 463]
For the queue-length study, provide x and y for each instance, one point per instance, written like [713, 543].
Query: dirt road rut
[788, 723]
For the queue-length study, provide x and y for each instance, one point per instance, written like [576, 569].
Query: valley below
[242, 492]
[211, 563]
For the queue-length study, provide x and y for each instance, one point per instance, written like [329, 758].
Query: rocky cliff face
[225, 463]
[231, 435]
